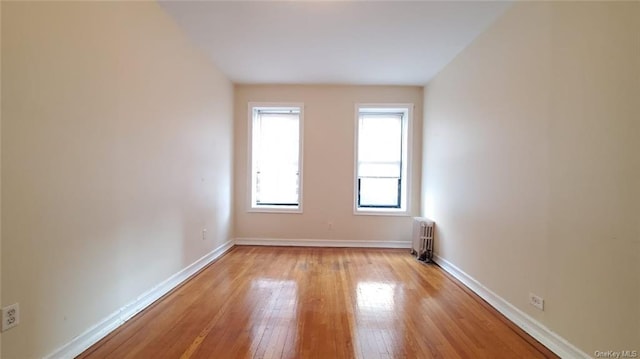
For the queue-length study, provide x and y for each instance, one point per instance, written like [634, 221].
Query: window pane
[276, 154]
[380, 154]
[278, 186]
[381, 192]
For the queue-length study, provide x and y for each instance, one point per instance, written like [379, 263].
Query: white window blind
[276, 157]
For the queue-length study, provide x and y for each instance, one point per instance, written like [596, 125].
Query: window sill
[382, 212]
[275, 209]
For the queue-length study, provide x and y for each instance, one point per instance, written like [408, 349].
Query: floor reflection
[378, 332]
[274, 317]
[375, 297]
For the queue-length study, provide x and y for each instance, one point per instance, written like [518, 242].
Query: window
[276, 165]
[382, 159]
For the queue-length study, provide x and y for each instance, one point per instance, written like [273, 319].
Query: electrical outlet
[536, 301]
[10, 316]
[204, 234]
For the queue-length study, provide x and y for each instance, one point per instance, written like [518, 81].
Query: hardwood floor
[287, 302]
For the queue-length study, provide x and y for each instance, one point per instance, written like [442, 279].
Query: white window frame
[252, 112]
[407, 140]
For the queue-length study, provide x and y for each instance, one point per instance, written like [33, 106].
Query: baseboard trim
[320, 243]
[537, 330]
[85, 340]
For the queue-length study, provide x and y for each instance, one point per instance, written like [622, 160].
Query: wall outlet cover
[10, 316]
[536, 301]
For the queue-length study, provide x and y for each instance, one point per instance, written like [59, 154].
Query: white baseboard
[319, 243]
[541, 333]
[94, 334]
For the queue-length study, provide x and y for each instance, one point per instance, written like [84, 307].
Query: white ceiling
[361, 42]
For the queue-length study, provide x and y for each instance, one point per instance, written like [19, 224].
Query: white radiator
[422, 238]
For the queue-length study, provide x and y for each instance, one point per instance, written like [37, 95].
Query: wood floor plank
[291, 302]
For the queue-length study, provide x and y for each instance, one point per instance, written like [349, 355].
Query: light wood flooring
[288, 302]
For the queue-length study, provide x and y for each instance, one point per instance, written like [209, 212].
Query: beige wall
[329, 120]
[116, 152]
[532, 169]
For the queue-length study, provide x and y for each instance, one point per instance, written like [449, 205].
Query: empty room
[320, 179]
